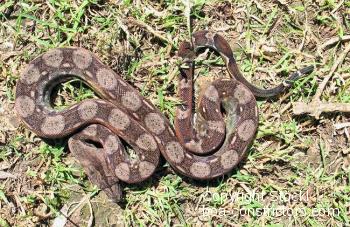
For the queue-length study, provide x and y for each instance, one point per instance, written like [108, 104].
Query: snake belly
[204, 148]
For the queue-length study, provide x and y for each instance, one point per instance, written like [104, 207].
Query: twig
[91, 219]
[333, 41]
[337, 7]
[342, 125]
[4, 175]
[148, 28]
[333, 69]
[65, 213]
[316, 108]
[286, 108]
[273, 26]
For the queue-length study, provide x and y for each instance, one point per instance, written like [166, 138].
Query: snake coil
[202, 149]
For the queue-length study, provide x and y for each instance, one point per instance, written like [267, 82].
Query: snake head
[95, 163]
[186, 51]
[114, 192]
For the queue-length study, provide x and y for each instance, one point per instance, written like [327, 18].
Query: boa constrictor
[201, 147]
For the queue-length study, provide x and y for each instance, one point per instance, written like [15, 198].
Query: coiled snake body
[202, 149]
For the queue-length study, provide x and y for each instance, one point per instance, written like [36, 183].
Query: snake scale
[204, 145]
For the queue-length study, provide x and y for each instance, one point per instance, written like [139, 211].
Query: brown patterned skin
[97, 161]
[211, 149]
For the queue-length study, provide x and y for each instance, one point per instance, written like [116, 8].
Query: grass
[297, 164]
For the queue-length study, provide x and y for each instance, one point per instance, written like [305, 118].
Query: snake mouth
[93, 143]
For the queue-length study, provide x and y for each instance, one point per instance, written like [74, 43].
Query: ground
[298, 168]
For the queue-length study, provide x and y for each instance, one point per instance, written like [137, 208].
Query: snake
[202, 144]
